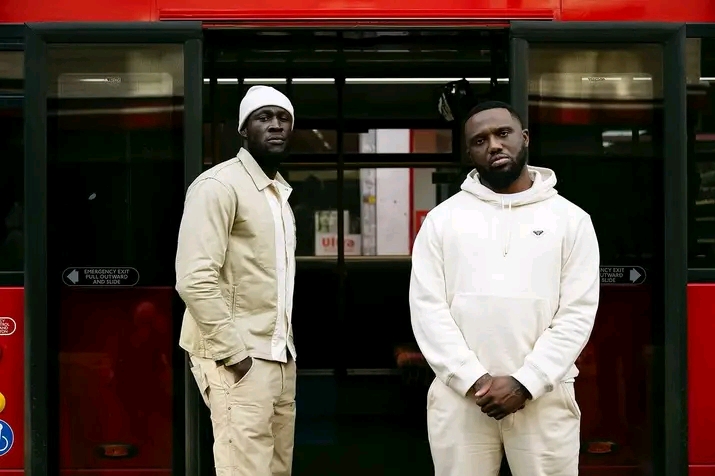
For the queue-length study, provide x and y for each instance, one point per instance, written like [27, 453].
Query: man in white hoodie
[503, 296]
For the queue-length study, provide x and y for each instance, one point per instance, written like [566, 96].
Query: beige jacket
[226, 264]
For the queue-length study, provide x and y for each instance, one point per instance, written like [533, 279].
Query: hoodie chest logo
[537, 232]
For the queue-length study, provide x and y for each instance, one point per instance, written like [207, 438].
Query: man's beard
[268, 158]
[502, 178]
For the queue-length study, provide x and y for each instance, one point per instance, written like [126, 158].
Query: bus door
[605, 105]
[114, 124]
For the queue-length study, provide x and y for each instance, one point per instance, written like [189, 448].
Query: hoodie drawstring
[508, 225]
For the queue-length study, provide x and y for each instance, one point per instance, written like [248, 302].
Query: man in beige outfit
[235, 267]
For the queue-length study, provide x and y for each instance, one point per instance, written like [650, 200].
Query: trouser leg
[284, 422]
[463, 440]
[544, 437]
[241, 415]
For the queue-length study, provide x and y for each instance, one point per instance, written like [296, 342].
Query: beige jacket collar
[259, 177]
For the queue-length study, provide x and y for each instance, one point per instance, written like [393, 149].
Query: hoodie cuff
[465, 376]
[531, 379]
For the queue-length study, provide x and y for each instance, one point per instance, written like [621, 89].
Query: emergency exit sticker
[622, 275]
[8, 326]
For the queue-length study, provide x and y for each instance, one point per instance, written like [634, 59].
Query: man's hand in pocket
[240, 369]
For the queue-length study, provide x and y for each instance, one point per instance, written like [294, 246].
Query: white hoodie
[506, 284]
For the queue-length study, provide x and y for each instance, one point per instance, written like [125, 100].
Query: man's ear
[525, 134]
[243, 133]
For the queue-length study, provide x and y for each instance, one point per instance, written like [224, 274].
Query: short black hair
[486, 105]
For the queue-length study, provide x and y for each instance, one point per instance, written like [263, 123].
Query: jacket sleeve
[209, 213]
[560, 345]
[439, 338]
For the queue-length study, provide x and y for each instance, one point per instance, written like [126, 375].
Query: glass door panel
[596, 119]
[115, 191]
[597, 110]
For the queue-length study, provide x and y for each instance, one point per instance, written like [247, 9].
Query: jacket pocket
[255, 295]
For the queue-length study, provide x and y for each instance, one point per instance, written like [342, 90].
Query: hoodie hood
[541, 189]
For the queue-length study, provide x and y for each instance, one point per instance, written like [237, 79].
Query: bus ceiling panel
[310, 57]
[375, 75]
[299, 47]
[378, 73]
[330, 54]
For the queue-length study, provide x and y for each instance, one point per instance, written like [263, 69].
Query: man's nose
[275, 124]
[494, 145]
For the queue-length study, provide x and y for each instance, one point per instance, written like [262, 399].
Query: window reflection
[314, 196]
[11, 162]
[11, 194]
[700, 61]
[383, 209]
[596, 119]
[12, 72]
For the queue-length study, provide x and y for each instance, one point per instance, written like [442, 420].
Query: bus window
[11, 165]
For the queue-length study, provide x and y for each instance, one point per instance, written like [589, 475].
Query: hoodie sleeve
[560, 345]
[438, 336]
[209, 212]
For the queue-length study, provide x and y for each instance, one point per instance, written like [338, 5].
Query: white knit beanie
[262, 96]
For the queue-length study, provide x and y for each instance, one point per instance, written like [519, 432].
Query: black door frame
[41, 455]
[672, 37]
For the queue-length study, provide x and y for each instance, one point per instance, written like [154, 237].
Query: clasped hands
[499, 396]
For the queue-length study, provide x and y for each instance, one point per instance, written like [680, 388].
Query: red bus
[108, 110]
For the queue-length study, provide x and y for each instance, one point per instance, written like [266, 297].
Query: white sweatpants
[540, 440]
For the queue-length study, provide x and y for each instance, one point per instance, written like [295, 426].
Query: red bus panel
[701, 386]
[116, 381]
[12, 379]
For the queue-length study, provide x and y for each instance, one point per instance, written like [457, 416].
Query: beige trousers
[540, 440]
[253, 420]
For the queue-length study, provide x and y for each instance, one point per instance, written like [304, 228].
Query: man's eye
[504, 133]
